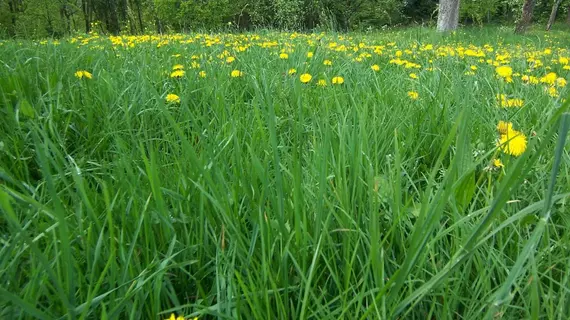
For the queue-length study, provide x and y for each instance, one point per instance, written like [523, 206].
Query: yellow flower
[504, 71]
[327, 63]
[283, 56]
[202, 74]
[561, 82]
[375, 67]
[474, 68]
[337, 80]
[178, 67]
[549, 78]
[503, 127]
[413, 95]
[173, 317]
[552, 92]
[230, 59]
[305, 78]
[83, 74]
[563, 60]
[513, 143]
[292, 71]
[413, 76]
[497, 163]
[172, 98]
[322, 83]
[236, 73]
[310, 54]
[177, 74]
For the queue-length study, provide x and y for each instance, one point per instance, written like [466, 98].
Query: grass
[260, 197]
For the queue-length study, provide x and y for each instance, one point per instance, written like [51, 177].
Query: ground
[403, 174]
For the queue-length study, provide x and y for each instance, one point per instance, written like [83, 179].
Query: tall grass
[260, 197]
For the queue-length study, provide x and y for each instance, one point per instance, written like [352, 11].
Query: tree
[553, 14]
[448, 15]
[526, 18]
[568, 18]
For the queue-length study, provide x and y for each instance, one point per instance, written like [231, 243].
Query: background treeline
[42, 18]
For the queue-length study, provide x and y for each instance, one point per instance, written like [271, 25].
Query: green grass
[261, 197]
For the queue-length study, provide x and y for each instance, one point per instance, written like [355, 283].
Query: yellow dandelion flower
[327, 63]
[174, 317]
[310, 54]
[178, 67]
[473, 68]
[322, 83]
[513, 143]
[561, 82]
[283, 56]
[375, 67]
[292, 71]
[503, 127]
[177, 74]
[552, 92]
[337, 80]
[236, 74]
[172, 98]
[202, 74]
[550, 78]
[80, 74]
[504, 71]
[497, 163]
[413, 76]
[230, 59]
[305, 78]
[413, 95]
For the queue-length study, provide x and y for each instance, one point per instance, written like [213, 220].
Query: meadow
[388, 175]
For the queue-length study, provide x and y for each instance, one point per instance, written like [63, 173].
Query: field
[391, 175]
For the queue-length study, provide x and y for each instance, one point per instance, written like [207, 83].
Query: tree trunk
[139, 15]
[553, 14]
[113, 17]
[85, 7]
[448, 15]
[526, 17]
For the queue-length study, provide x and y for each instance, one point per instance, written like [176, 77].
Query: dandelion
[177, 74]
[172, 98]
[549, 79]
[230, 59]
[236, 74]
[473, 68]
[375, 67]
[552, 92]
[327, 63]
[561, 82]
[83, 74]
[503, 127]
[505, 72]
[310, 54]
[322, 83]
[497, 163]
[173, 317]
[283, 56]
[178, 67]
[202, 74]
[337, 80]
[413, 76]
[305, 78]
[292, 71]
[413, 95]
[513, 143]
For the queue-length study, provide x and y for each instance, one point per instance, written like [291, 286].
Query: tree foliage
[41, 18]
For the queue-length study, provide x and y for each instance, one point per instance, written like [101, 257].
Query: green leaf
[26, 109]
